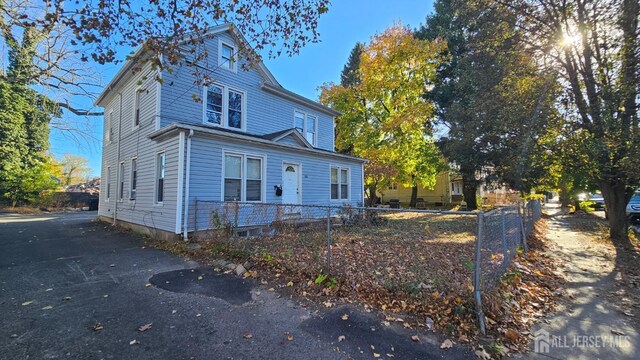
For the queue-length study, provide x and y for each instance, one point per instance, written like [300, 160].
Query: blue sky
[347, 22]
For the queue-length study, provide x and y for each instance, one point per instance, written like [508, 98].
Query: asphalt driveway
[77, 289]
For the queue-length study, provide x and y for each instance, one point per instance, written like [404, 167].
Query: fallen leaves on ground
[97, 327]
[145, 327]
[247, 336]
[447, 344]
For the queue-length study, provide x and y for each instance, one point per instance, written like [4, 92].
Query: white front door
[291, 193]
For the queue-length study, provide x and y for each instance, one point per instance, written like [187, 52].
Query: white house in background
[247, 138]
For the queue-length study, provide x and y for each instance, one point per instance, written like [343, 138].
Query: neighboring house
[448, 191]
[246, 139]
[444, 192]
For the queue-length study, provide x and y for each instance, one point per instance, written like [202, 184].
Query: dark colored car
[598, 201]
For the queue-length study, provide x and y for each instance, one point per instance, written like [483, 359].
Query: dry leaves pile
[527, 292]
[416, 269]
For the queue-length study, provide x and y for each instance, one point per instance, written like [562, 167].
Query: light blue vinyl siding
[134, 143]
[266, 113]
[207, 163]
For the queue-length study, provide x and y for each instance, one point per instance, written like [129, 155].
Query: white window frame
[243, 174]
[456, 187]
[120, 187]
[136, 107]
[157, 178]
[306, 114]
[110, 127]
[108, 189]
[224, 122]
[231, 64]
[133, 192]
[340, 168]
[393, 186]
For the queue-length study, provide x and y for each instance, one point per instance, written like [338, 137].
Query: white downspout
[185, 218]
[118, 175]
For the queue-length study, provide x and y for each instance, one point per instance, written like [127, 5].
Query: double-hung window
[224, 107]
[136, 108]
[160, 170]
[226, 58]
[307, 125]
[134, 179]
[108, 182]
[339, 183]
[121, 182]
[243, 177]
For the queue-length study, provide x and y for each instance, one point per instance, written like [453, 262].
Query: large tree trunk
[373, 197]
[414, 196]
[616, 197]
[469, 192]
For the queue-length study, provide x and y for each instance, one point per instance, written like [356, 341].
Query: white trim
[316, 121]
[233, 64]
[212, 131]
[243, 174]
[180, 187]
[137, 93]
[295, 133]
[107, 193]
[340, 168]
[299, 165]
[110, 127]
[155, 177]
[224, 120]
[120, 182]
[362, 185]
[135, 158]
[185, 235]
[159, 96]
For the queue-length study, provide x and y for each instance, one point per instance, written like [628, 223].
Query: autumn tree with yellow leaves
[385, 117]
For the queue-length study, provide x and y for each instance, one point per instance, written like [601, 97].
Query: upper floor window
[226, 57]
[307, 125]
[110, 127]
[393, 186]
[224, 107]
[339, 183]
[136, 109]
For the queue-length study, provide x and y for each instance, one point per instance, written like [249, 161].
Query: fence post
[328, 239]
[504, 238]
[523, 232]
[476, 274]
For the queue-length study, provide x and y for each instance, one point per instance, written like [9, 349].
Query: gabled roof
[277, 136]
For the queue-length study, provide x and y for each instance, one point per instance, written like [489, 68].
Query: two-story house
[247, 140]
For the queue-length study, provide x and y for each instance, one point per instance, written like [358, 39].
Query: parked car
[598, 201]
[633, 207]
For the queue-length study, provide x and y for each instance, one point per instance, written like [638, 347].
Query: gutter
[228, 135]
[180, 186]
[186, 191]
[282, 92]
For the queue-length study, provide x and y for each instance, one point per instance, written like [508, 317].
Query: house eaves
[287, 94]
[175, 128]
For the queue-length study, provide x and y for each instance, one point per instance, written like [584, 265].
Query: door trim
[299, 168]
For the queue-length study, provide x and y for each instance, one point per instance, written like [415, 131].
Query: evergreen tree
[350, 76]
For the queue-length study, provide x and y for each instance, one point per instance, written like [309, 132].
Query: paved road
[61, 275]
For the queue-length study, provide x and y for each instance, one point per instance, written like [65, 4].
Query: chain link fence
[393, 249]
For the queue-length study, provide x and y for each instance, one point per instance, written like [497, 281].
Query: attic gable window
[226, 56]
[225, 107]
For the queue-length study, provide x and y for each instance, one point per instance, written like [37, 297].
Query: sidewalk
[586, 326]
